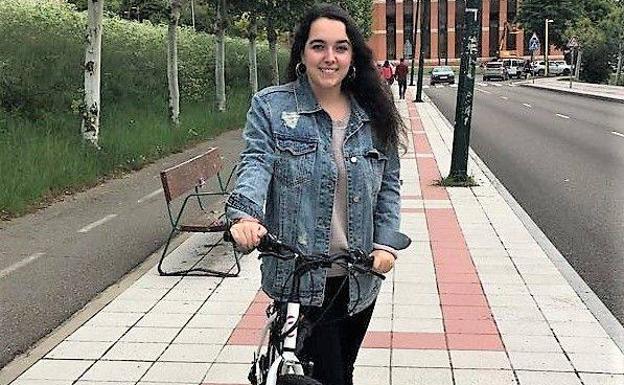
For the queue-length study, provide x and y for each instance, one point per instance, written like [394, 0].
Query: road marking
[617, 133]
[504, 97]
[483, 84]
[497, 85]
[425, 86]
[90, 227]
[484, 91]
[527, 105]
[563, 116]
[150, 195]
[19, 264]
[453, 85]
[438, 86]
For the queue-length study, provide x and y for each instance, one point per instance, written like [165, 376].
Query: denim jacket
[286, 179]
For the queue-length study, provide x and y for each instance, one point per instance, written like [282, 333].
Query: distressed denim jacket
[286, 179]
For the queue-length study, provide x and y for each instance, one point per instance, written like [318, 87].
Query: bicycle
[279, 364]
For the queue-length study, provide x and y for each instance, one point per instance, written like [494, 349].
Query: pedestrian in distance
[387, 72]
[401, 76]
[320, 170]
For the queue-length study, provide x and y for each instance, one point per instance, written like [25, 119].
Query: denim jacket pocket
[377, 161]
[296, 159]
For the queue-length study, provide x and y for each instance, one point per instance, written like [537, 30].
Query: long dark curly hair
[367, 87]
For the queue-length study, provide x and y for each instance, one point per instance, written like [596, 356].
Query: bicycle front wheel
[293, 379]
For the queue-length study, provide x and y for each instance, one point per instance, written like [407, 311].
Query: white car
[555, 67]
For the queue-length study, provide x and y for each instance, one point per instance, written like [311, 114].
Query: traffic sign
[534, 43]
[572, 43]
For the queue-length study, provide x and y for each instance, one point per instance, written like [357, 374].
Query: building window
[442, 31]
[391, 29]
[494, 40]
[460, 7]
[511, 16]
[408, 30]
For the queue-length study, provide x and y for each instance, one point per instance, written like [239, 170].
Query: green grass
[44, 157]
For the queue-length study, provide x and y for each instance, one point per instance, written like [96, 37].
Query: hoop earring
[352, 73]
[300, 69]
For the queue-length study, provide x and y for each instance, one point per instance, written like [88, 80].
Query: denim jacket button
[356, 199]
[353, 159]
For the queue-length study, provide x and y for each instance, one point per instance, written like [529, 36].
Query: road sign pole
[465, 92]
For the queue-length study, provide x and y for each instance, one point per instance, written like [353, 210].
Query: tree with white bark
[220, 26]
[172, 62]
[90, 127]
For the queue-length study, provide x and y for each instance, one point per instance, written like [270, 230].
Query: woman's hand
[247, 234]
[383, 261]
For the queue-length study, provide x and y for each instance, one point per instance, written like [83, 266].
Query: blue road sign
[534, 43]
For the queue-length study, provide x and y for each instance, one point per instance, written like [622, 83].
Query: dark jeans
[335, 341]
[402, 87]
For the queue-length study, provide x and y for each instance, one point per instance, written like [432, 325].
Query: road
[55, 261]
[562, 158]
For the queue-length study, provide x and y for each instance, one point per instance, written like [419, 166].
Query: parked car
[555, 68]
[514, 66]
[442, 75]
[495, 70]
[561, 67]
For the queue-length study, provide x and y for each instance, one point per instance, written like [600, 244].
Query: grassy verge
[44, 158]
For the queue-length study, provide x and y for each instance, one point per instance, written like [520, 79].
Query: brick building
[393, 23]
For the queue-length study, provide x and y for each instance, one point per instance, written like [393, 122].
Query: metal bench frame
[179, 180]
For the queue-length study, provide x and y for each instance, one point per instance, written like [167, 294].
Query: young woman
[387, 72]
[321, 171]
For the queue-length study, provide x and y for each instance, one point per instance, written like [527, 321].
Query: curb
[604, 316]
[574, 92]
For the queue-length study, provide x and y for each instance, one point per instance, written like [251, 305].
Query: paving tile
[417, 311]
[380, 324]
[214, 321]
[79, 350]
[20, 381]
[420, 358]
[578, 329]
[543, 378]
[245, 337]
[130, 306]
[406, 297]
[462, 300]
[56, 370]
[371, 375]
[593, 345]
[227, 374]
[191, 353]
[98, 333]
[520, 343]
[113, 319]
[524, 328]
[176, 307]
[601, 363]
[422, 376]
[418, 340]
[137, 334]
[236, 354]
[474, 342]
[469, 326]
[466, 313]
[116, 371]
[374, 339]
[225, 307]
[202, 336]
[142, 294]
[180, 372]
[418, 325]
[160, 320]
[252, 322]
[477, 359]
[135, 351]
[105, 383]
[602, 379]
[483, 377]
[540, 361]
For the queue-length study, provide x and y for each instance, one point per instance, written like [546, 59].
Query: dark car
[442, 75]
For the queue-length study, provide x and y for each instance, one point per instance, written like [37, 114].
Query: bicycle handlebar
[357, 259]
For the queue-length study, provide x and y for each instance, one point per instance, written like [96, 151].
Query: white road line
[97, 223]
[19, 264]
[150, 195]
[504, 97]
[617, 133]
[497, 85]
[453, 85]
[563, 116]
[527, 105]
[484, 91]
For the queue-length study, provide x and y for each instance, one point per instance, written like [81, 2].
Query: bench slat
[196, 171]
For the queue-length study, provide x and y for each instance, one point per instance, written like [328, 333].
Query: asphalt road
[55, 261]
[562, 158]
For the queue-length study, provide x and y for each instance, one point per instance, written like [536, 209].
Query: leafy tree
[533, 13]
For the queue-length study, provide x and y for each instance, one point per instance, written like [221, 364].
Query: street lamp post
[421, 54]
[414, 45]
[546, 22]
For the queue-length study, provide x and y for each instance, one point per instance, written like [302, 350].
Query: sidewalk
[597, 91]
[474, 300]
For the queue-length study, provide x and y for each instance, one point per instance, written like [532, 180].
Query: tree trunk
[220, 55]
[90, 127]
[172, 63]
[253, 55]
[618, 71]
[272, 38]
[578, 64]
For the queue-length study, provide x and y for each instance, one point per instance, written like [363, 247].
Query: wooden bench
[188, 180]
